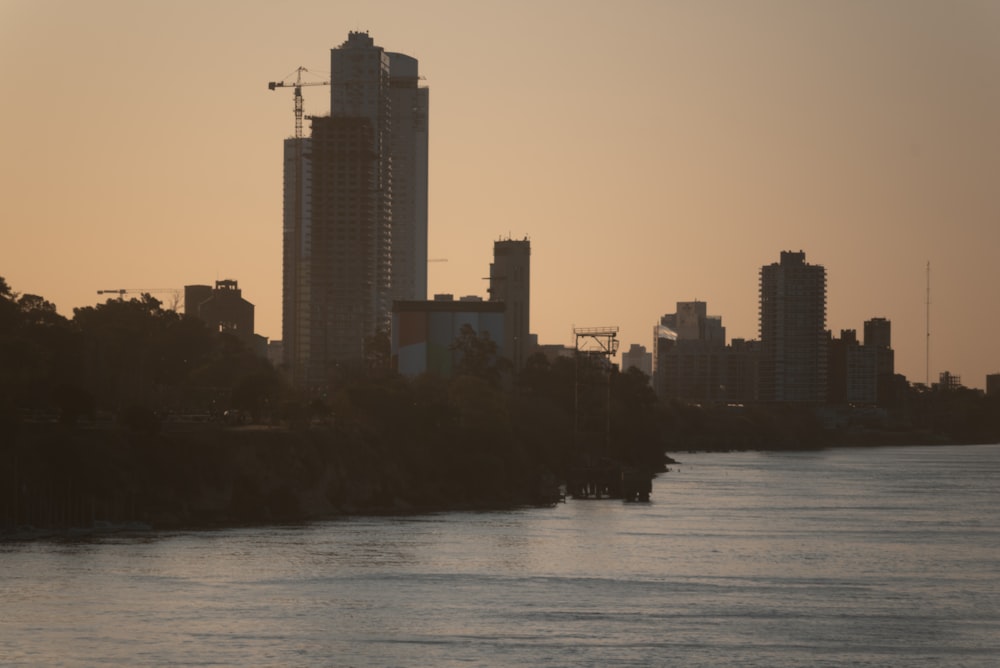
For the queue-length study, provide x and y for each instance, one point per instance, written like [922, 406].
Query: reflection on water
[842, 557]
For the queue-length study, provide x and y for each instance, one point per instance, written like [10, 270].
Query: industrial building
[224, 309]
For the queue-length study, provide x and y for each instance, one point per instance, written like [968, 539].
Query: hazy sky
[654, 152]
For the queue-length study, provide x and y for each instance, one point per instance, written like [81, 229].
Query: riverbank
[211, 475]
[110, 478]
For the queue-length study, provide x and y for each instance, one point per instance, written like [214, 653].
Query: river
[843, 557]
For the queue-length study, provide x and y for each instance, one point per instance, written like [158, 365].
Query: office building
[224, 310]
[355, 211]
[793, 333]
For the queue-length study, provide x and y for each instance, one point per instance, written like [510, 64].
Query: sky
[652, 151]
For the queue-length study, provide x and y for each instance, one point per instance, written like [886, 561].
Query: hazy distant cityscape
[355, 267]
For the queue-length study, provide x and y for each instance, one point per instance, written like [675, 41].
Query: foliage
[483, 437]
[121, 354]
[477, 356]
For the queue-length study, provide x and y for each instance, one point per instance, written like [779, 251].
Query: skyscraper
[355, 212]
[793, 330]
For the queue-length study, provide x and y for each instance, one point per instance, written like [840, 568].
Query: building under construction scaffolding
[355, 210]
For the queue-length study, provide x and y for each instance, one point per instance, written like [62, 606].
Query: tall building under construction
[355, 211]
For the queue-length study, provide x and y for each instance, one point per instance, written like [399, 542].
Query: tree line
[135, 361]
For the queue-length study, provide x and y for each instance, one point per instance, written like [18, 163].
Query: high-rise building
[793, 330]
[690, 355]
[691, 322]
[510, 283]
[355, 211]
[852, 370]
[878, 335]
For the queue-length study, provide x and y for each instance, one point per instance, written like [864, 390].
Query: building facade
[637, 356]
[224, 310]
[355, 211]
[424, 332]
[878, 336]
[221, 307]
[510, 283]
[690, 355]
[852, 371]
[793, 333]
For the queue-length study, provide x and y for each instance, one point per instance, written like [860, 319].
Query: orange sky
[654, 152]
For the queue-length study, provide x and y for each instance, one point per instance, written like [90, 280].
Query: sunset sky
[653, 152]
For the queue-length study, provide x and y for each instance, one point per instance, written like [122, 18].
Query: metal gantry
[594, 348]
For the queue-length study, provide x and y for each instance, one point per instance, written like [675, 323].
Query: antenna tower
[927, 351]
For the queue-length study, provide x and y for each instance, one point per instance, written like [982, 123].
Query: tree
[477, 356]
[38, 349]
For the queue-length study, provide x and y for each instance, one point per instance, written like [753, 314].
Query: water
[837, 558]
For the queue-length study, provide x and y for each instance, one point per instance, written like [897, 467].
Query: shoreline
[86, 481]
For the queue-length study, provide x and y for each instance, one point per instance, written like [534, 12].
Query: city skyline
[652, 153]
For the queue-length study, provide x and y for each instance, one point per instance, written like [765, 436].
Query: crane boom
[297, 85]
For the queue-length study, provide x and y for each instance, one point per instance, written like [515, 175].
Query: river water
[845, 557]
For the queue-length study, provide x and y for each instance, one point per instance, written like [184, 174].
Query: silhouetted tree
[477, 356]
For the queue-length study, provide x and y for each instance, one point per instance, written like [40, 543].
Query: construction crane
[121, 292]
[298, 285]
[297, 85]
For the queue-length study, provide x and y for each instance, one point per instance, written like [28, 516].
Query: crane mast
[296, 85]
[292, 325]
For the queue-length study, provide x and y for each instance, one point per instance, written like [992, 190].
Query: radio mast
[927, 360]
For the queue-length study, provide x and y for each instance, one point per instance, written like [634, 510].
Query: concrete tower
[510, 283]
